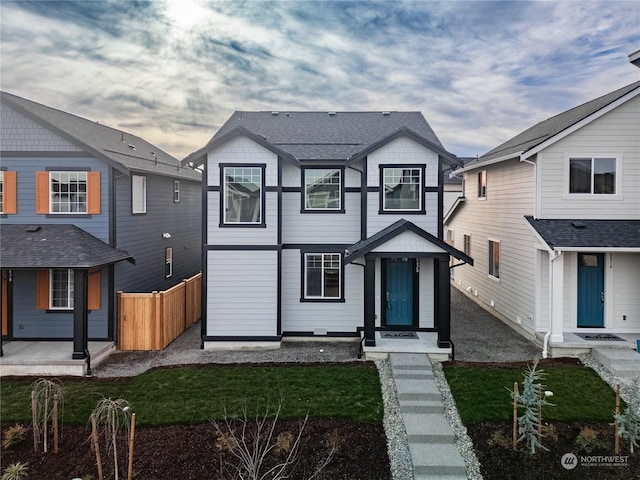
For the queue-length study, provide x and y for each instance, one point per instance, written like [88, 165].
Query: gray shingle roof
[546, 129]
[363, 247]
[54, 246]
[103, 142]
[562, 234]
[324, 135]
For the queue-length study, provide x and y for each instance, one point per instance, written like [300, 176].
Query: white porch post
[556, 285]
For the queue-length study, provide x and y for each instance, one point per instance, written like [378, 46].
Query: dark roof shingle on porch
[54, 246]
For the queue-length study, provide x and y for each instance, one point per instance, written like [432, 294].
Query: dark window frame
[303, 278]
[382, 210]
[303, 195]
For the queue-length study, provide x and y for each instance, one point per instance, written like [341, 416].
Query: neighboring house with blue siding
[324, 224]
[552, 219]
[128, 199]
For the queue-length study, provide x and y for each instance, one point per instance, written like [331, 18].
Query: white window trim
[224, 194]
[322, 297]
[490, 259]
[70, 283]
[592, 196]
[478, 193]
[139, 206]
[168, 261]
[464, 244]
[86, 181]
[421, 187]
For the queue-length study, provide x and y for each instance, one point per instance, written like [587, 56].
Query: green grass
[482, 394]
[196, 395]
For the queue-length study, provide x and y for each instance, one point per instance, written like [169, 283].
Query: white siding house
[324, 224]
[552, 219]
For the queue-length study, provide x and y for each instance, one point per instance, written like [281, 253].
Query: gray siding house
[76, 199]
[552, 218]
[322, 224]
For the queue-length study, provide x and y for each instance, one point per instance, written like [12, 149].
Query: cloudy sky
[172, 71]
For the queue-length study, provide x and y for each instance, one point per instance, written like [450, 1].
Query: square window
[243, 195]
[323, 189]
[68, 192]
[322, 276]
[494, 259]
[482, 184]
[592, 176]
[402, 189]
[138, 194]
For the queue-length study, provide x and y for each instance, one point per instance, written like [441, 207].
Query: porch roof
[54, 246]
[363, 247]
[567, 234]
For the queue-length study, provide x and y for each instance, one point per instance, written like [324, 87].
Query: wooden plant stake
[55, 423]
[36, 430]
[617, 439]
[45, 429]
[96, 446]
[131, 434]
[515, 416]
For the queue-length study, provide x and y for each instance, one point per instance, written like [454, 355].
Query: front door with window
[399, 290]
[591, 290]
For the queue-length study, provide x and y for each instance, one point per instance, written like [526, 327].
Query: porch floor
[31, 358]
[427, 343]
[571, 341]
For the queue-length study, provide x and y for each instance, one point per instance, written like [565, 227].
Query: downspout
[545, 345]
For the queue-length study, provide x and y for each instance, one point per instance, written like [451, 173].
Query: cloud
[173, 71]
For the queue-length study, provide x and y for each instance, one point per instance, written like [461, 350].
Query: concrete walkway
[430, 437]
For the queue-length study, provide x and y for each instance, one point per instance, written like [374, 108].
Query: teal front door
[399, 289]
[590, 290]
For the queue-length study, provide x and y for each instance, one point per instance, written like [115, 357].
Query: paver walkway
[431, 440]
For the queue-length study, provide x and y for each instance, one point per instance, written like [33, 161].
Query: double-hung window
[322, 276]
[402, 189]
[482, 184]
[243, 195]
[592, 175]
[323, 189]
[494, 259]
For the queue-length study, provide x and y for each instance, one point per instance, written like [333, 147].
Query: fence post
[155, 321]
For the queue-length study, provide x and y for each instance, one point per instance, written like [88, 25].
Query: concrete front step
[622, 362]
[436, 459]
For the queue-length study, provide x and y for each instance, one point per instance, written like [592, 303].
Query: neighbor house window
[592, 175]
[138, 194]
[322, 276]
[168, 262]
[1, 191]
[243, 195]
[494, 259]
[402, 189]
[467, 244]
[61, 289]
[68, 192]
[176, 191]
[451, 237]
[323, 189]
[482, 184]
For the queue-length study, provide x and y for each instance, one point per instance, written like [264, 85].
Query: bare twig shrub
[254, 445]
[113, 416]
[47, 397]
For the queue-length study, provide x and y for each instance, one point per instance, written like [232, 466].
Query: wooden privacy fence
[151, 321]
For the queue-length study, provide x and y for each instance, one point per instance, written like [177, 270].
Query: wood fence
[151, 321]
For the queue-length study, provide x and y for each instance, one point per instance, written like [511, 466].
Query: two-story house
[76, 198]
[322, 224]
[552, 219]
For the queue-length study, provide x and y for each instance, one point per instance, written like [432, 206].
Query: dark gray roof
[363, 247]
[335, 136]
[54, 246]
[560, 234]
[546, 129]
[100, 141]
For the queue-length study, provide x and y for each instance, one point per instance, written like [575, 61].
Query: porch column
[443, 301]
[80, 313]
[370, 302]
[556, 283]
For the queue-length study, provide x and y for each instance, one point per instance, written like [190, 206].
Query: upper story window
[176, 191]
[168, 262]
[243, 195]
[68, 192]
[138, 194]
[592, 175]
[322, 276]
[467, 244]
[482, 184]
[494, 259]
[1, 191]
[402, 189]
[323, 189]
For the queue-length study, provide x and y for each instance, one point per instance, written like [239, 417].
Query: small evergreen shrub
[587, 440]
[629, 421]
